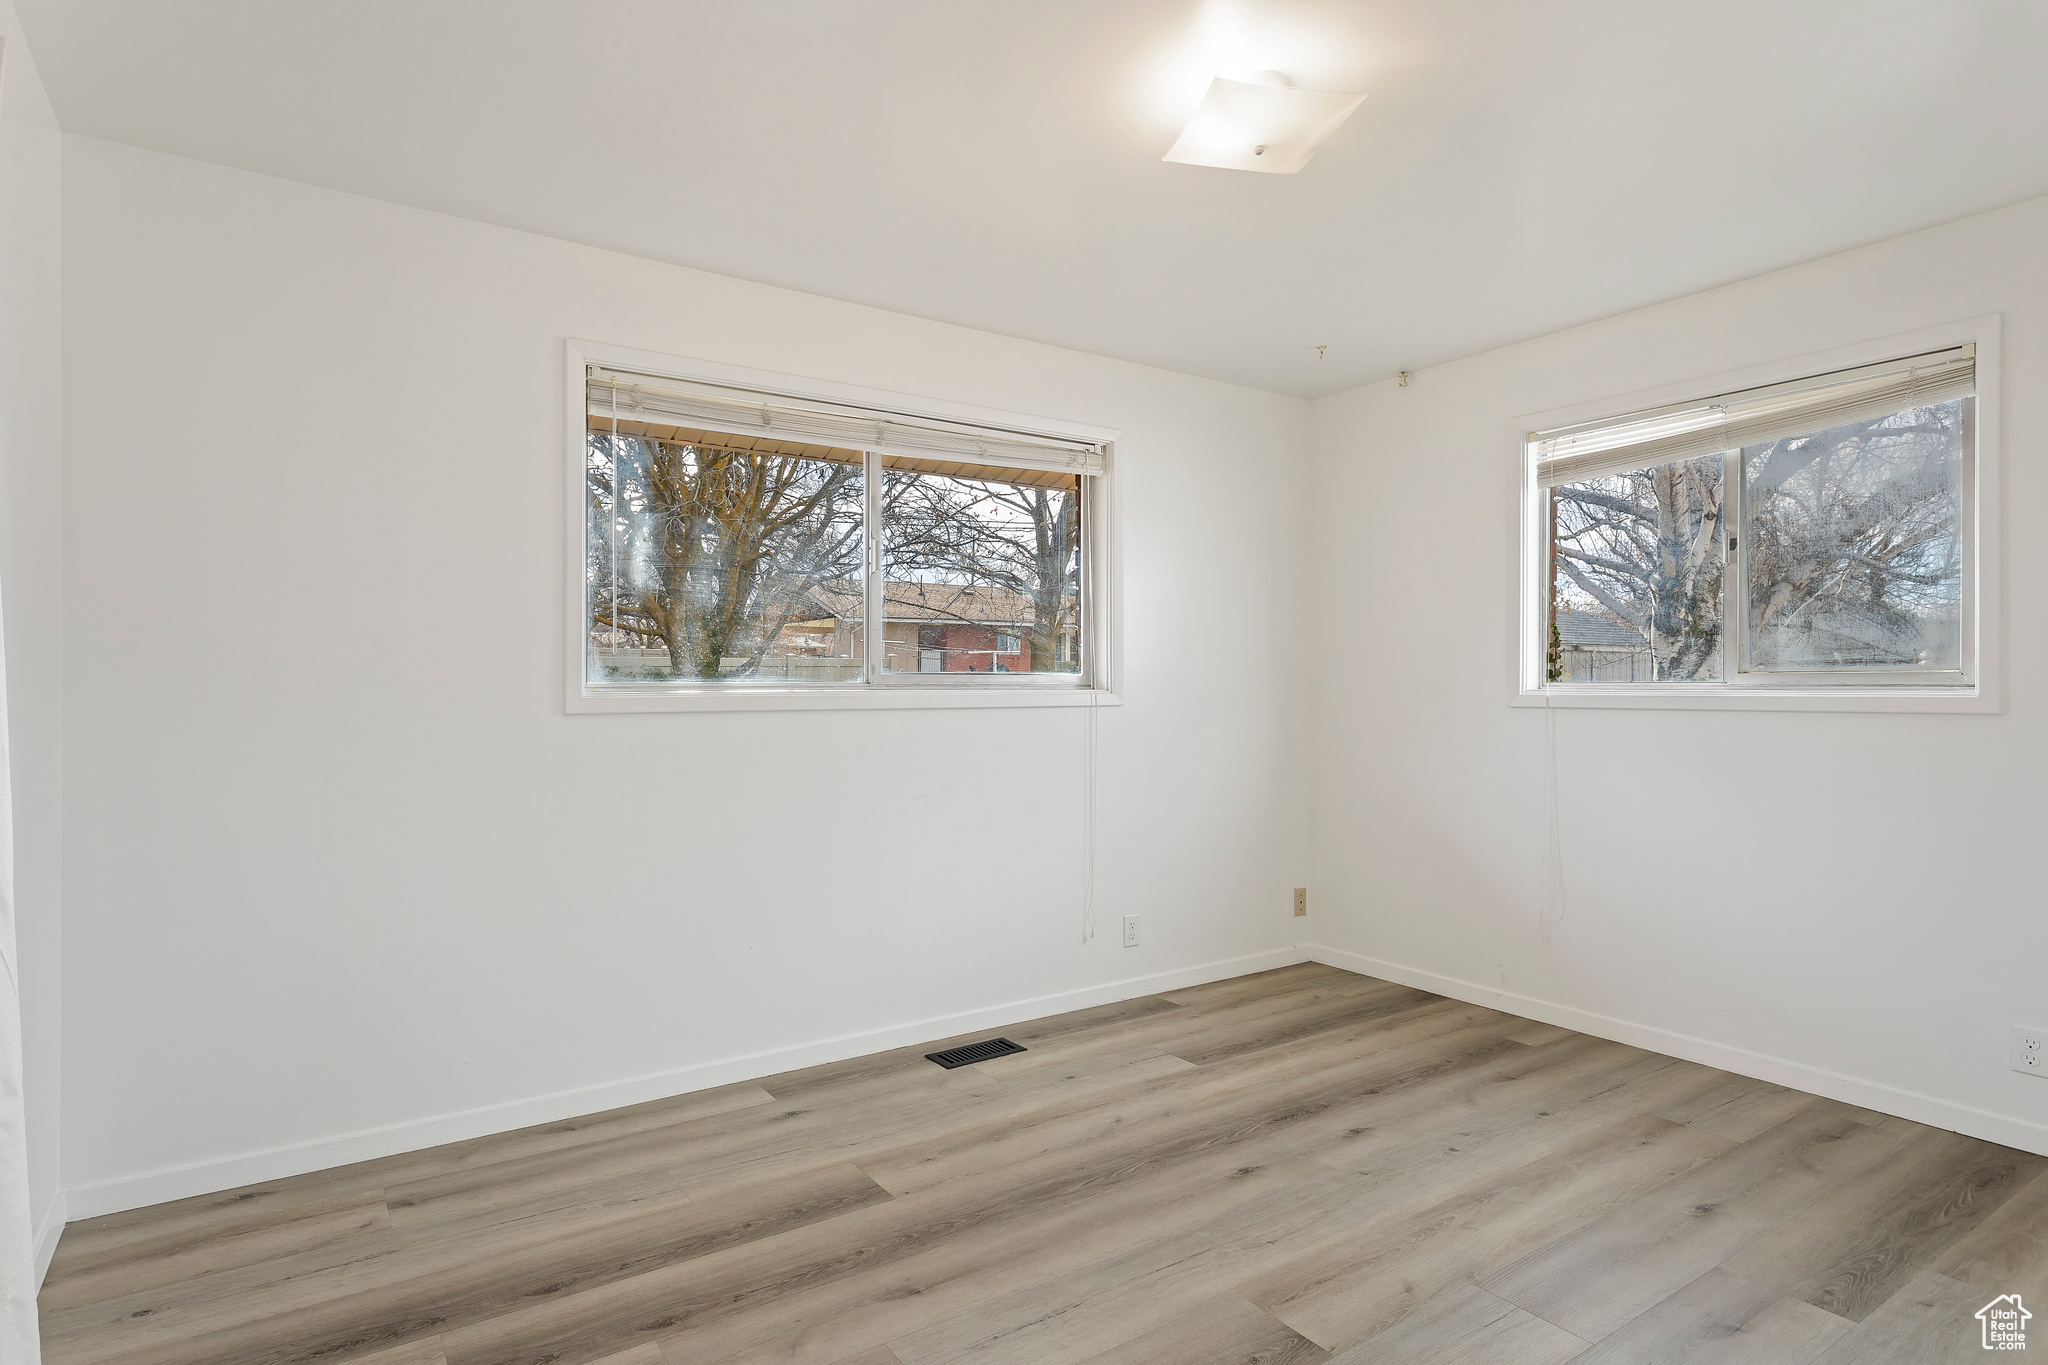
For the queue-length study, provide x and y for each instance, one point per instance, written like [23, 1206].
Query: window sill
[1924, 700]
[855, 698]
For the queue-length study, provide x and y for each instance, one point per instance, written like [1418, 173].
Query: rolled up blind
[1750, 417]
[642, 398]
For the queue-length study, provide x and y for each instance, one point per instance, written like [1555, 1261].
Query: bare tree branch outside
[1644, 549]
[1852, 551]
[715, 561]
[711, 552]
[1022, 540]
[1854, 544]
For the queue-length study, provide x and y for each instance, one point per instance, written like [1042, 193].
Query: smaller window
[1813, 534]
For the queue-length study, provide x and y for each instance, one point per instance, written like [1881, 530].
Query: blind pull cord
[1550, 912]
[1088, 751]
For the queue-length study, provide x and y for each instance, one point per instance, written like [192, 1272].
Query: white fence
[1608, 665]
[654, 663]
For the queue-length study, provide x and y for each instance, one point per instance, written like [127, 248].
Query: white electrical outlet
[2030, 1050]
[1130, 931]
[1300, 900]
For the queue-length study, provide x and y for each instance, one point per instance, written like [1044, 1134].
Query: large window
[1812, 536]
[750, 542]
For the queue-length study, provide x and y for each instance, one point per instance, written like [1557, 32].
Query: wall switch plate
[1300, 900]
[1130, 931]
[2030, 1050]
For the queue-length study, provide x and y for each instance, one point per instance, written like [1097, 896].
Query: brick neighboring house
[930, 628]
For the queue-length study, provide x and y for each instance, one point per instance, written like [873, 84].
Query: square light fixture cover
[1273, 128]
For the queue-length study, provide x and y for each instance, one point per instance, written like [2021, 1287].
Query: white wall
[31, 550]
[1850, 903]
[340, 863]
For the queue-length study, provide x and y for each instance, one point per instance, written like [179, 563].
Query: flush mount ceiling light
[1264, 124]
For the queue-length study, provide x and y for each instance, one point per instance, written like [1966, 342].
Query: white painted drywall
[1852, 902]
[340, 862]
[31, 602]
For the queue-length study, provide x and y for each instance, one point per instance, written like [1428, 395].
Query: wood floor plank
[881, 1355]
[1227, 1152]
[1892, 1123]
[645, 1354]
[1327, 1074]
[1594, 1280]
[969, 1150]
[1207, 1034]
[1089, 1304]
[235, 1208]
[1529, 1033]
[1228, 1331]
[1118, 1167]
[846, 1079]
[1739, 1108]
[1223, 1041]
[767, 1143]
[1044, 1321]
[1722, 1319]
[426, 1352]
[1344, 1294]
[108, 1270]
[973, 1280]
[723, 1152]
[1279, 980]
[1931, 1320]
[870, 1138]
[1315, 1095]
[1384, 1076]
[2007, 1253]
[1465, 1325]
[1189, 1258]
[411, 1291]
[1851, 1252]
[1499, 1115]
[1239, 1115]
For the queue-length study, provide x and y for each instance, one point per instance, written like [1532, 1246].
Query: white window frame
[1100, 637]
[1979, 688]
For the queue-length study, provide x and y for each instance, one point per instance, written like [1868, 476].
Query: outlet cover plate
[1300, 900]
[2030, 1050]
[1130, 931]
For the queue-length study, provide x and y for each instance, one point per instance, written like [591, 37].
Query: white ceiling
[1520, 165]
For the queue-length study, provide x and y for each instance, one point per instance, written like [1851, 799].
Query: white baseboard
[155, 1187]
[2024, 1134]
[51, 1228]
[249, 1168]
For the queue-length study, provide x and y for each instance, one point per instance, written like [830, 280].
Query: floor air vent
[974, 1052]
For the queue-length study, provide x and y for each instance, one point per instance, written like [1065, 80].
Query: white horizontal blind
[1729, 421]
[643, 398]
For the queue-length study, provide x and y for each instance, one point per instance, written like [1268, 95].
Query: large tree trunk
[1045, 628]
[1683, 588]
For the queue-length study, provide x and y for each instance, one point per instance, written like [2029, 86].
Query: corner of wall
[31, 554]
[48, 1231]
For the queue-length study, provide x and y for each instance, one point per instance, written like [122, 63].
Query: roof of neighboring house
[977, 603]
[1586, 630]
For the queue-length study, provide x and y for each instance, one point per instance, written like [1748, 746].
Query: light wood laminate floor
[1304, 1165]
